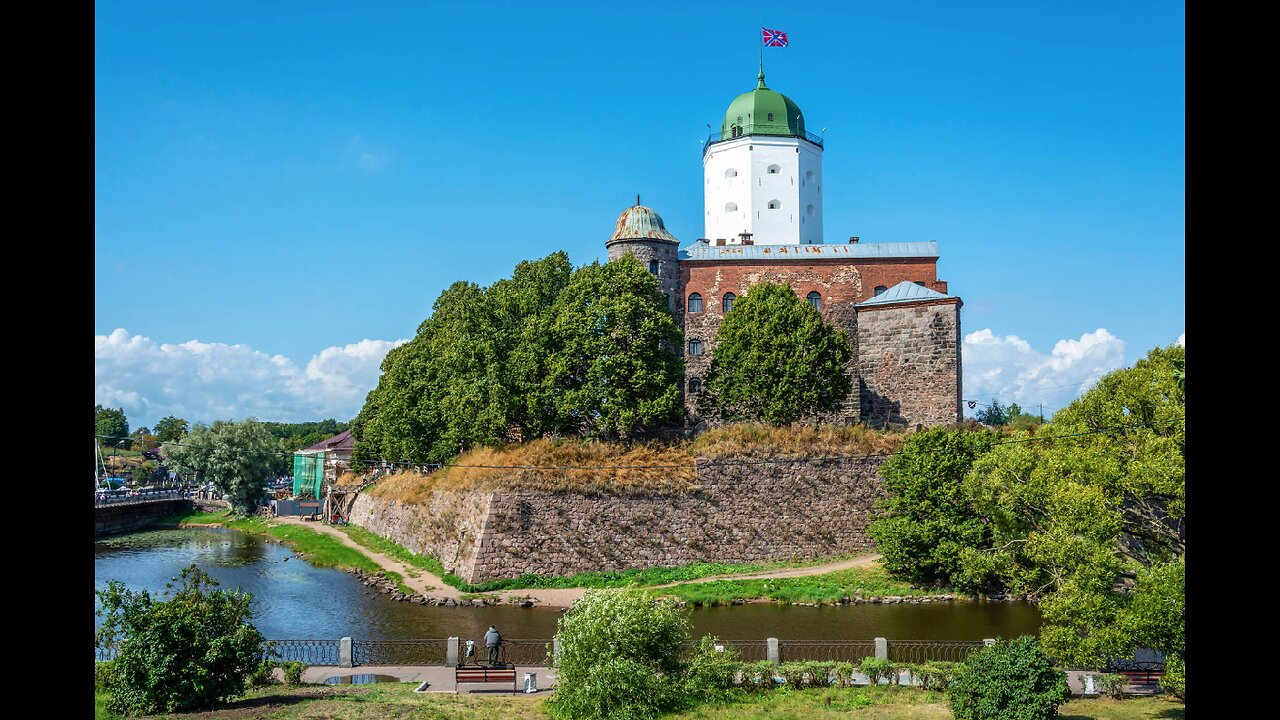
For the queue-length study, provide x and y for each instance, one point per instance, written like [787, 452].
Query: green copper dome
[762, 112]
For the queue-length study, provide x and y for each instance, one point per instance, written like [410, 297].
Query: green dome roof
[762, 112]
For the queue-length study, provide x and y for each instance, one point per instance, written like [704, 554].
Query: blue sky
[280, 180]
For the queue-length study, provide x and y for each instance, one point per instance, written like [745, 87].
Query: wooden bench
[1144, 679]
[484, 674]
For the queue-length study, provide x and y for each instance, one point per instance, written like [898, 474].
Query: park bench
[1144, 679]
[484, 674]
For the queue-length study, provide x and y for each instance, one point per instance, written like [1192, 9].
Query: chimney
[719, 242]
[853, 239]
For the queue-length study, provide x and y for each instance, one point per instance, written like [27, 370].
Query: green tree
[619, 656]
[1012, 680]
[993, 414]
[775, 361]
[110, 424]
[926, 521]
[614, 370]
[237, 457]
[171, 429]
[189, 651]
[1092, 516]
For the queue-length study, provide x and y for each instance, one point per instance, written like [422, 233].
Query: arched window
[773, 169]
[815, 300]
[775, 204]
[770, 117]
[726, 303]
[695, 347]
[731, 207]
[809, 210]
[667, 297]
[695, 303]
[731, 172]
[695, 384]
[808, 177]
[739, 119]
[880, 289]
[736, 131]
[653, 267]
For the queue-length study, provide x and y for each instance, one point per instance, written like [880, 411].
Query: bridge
[123, 514]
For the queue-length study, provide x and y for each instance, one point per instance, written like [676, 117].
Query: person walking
[492, 640]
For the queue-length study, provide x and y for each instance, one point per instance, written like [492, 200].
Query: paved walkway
[430, 585]
[437, 677]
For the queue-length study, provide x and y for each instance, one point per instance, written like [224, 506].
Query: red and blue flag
[774, 38]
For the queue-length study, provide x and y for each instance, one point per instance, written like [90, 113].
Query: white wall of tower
[768, 186]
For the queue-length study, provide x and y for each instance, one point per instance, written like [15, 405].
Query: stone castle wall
[740, 513]
[909, 363]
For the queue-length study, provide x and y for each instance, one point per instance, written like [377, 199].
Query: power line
[766, 461]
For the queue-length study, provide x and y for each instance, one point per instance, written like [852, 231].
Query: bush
[876, 669]
[712, 676]
[195, 649]
[1112, 684]
[1174, 681]
[619, 657]
[938, 674]
[102, 675]
[843, 672]
[1012, 680]
[293, 672]
[261, 675]
[759, 675]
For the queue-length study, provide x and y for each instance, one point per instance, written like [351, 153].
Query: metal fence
[748, 650]
[105, 653]
[918, 651]
[518, 652]
[425, 651]
[125, 498]
[311, 652]
[840, 650]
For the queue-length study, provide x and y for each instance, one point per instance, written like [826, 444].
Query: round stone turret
[641, 232]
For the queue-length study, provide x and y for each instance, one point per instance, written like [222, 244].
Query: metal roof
[700, 250]
[905, 291]
[342, 442]
[640, 223]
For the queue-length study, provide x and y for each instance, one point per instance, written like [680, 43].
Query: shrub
[710, 675]
[843, 672]
[619, 657]
[102, 675]
[261, 675]
[1112, 684]
[1175, 677]
[759, 675]
[1012, 680]
[938, 674]
[876, 669]
[195, 649]
[293, 672]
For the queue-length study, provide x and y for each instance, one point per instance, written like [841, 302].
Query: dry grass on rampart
[614, 468]
[764, 441]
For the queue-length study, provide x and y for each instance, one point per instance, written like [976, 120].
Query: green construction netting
[308, 474]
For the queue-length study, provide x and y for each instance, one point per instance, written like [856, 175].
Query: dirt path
[431, 585]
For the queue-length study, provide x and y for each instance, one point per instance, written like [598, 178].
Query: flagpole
[761, 50]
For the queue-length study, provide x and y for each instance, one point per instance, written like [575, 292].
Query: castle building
[762, 185]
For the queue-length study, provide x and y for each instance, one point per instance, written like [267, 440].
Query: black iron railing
[839, 650]
[918, 651]
[426, 651]
[769, 130]
[311, 652]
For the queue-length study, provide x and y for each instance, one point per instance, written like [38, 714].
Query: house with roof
[319, 466]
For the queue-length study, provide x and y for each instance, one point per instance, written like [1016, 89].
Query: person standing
[492, 640]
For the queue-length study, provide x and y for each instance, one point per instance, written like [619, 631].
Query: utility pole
[1041, 412]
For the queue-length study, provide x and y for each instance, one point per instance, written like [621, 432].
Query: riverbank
[408, 577]
[398, 700]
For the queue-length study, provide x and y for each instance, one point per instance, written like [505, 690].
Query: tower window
[919, 283]
[695, 303]
[770, 117]
[773, 170]
[731, 172]
[731, 207]
[695, 385]
[695, 347]
[726, 303]
[815, 300]
[808, 176]
[653, 267]
[809, 210]
[775, 204]
[880, 290]
[739, 119]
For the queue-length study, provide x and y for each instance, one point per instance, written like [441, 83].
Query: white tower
[762, 173]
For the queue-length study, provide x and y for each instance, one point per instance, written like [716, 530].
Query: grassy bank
[863, 703]
[826, 589]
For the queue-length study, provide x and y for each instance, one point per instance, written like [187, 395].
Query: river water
[294, 600]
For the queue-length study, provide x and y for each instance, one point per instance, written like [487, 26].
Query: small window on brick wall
[726, 303]
[695, 385]
[653, 267]
[880, 289]
[695, 347]
[695, 303]
[815, 300]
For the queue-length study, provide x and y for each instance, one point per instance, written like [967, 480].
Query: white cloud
[203, 382]
[1009, 369]
[367, 155]
[1182, 340]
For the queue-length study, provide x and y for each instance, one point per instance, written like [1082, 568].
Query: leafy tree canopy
[775, 361]
[110, 424]
[171, 429]
[237, 457]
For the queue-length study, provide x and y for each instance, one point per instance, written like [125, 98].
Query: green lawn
[399, 701]
[827, 588]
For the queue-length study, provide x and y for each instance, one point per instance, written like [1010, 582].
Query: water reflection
[294, 600]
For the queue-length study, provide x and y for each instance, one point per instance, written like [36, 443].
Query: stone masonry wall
[909, 363]
[741, 513]
[449, 528]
